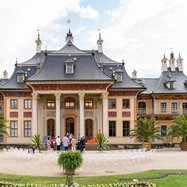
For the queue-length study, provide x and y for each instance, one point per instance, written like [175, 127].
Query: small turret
[180, 63]
[5, 75]
[134, 74]
[38, 44]
[172, 61]
[164, 64]
[100, 43]
[69, 36]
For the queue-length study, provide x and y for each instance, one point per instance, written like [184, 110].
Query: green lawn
[170, 181]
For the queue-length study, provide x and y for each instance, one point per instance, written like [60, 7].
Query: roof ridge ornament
[69, 36]
[38, 43]
[100, 42]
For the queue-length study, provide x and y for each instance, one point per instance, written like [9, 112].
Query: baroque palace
[83, 92]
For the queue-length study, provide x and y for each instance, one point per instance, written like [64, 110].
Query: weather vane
[68, 21]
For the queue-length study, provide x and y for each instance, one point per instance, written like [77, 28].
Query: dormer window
[118, 77]
[170, 84]
[20, 76]
[69, 66]
[69, 69]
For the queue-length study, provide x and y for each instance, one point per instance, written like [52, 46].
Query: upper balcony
[151, 111]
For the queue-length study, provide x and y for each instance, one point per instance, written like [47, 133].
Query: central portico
[80, 112]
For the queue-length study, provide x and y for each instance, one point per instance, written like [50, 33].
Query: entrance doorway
[88, 129]
[51, 128]
[70, 128]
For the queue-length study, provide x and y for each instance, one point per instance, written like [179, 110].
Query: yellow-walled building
[83, 92]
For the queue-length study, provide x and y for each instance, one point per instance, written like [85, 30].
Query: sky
[138, 31]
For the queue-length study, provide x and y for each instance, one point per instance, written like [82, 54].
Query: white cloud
[141, 31]
[20, 19]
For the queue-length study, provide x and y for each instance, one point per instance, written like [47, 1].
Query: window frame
[113, 128]
[163, 109]
[27, 104]
[71, 100]
[12, 104]
[174, 108]
[125, 128]
[50, 103]
[14, 128]
[161, 131]
[128, 103]
[27, 130]
[110, 104]
[88, 103]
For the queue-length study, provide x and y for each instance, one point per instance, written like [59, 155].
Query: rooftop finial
[69, 36]
[16, 62]
[38, 42]
[100, 42]
[171, 54]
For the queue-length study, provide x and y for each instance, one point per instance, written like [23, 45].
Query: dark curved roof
[85, 68]
[70, 48]
[34, 60]
[12, 82]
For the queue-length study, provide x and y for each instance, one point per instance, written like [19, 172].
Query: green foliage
[70, 160]
[37, 143]
[146, 130]
[102, 142]
[3, 127]
[179, 130]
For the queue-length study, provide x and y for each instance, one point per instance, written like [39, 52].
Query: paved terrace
[95, 163]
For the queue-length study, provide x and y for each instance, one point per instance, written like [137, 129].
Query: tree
[146, 130]
[179, 130]
[70, 161]
[3, 127]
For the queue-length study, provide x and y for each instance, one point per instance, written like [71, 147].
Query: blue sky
[138, 31]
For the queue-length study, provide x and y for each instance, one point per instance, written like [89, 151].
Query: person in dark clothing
[82, 144]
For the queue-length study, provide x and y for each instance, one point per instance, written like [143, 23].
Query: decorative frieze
[88, 114]
[122, 93]
[71, 87]
[50, 113]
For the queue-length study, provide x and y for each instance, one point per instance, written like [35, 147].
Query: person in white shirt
[58, 143]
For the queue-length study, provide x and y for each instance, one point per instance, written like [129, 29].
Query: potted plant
[70, 161]
[36, 142]
[179, 130]
[101, 142]
[146, 131]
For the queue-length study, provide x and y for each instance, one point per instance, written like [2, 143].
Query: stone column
[105, 113]
[81, 114]
[57, 95]
[34, 114]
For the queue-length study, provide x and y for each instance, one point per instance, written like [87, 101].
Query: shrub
[37, 143]
[102, 142]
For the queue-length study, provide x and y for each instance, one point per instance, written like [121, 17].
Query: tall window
[13, 128]
[163, 107]
[20, 78]
[163, 129]
[112, 103]
[50, 103]
[69, 103]
[13, 103]
[27, 128]
[126, 103]
[126, 128]
[88, 104]
[184, 108]
[174, 106]
[27, 103]
[112, 128]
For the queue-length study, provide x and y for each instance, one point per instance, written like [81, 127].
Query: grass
[170, 181]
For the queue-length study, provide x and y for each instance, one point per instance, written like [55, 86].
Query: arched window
[142, 107]
[69, 103]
